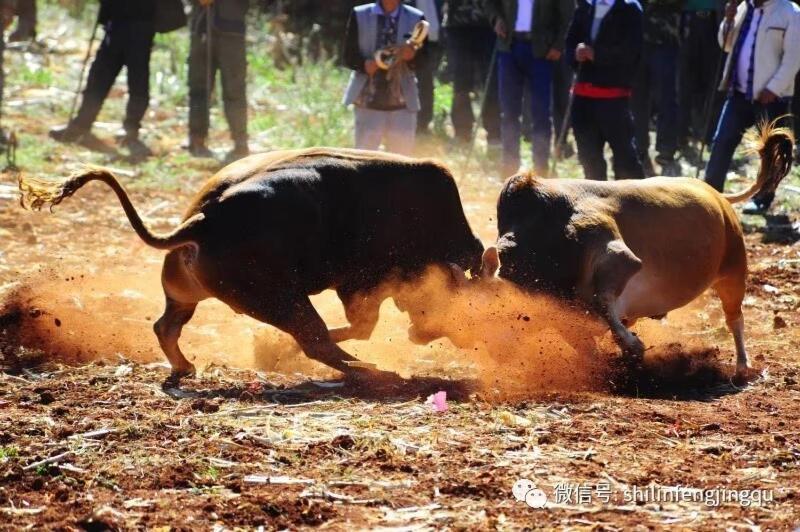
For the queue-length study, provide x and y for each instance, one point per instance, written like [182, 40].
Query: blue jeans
[656, 82]
[515, 68]
[737, 116]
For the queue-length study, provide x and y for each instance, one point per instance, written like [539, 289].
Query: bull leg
[362, 312]
[615, 267]
[296, 316]
[168, 330]
[731, 293]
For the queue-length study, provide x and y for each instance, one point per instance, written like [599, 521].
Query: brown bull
[633, 249]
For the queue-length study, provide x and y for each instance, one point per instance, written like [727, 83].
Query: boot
[72, 134]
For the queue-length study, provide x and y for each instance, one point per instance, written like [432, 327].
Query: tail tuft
[775, 146]
[37, 193]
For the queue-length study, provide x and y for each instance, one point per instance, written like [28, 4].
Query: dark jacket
[617, 48]
[127, 10]
[228, 16]
[465, 14]
[550, 23]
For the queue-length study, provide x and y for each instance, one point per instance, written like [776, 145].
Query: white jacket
[777, 48]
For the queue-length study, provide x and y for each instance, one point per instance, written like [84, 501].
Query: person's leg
[667, 127]
[400, 131]
[461, 63]
[425, 79]
[104, 70]
[687, 78]
[562, 82]
[617, 126]
[737, 116]
[26, 21]
[640, 102]
[540, 79]
[491, 101]
[369, 126]
[588, 138]
[796, 114]
[198, 79]
[511, 85]
[137, 59]
[232, 58]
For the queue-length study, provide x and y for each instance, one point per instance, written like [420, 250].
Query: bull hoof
[174, 379]
[745, 375]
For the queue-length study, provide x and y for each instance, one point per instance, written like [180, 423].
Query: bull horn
[457, 274]
[490, 262]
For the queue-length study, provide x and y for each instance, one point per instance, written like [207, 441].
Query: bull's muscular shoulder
[260, 166]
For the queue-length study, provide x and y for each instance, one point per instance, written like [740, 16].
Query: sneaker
[751, 207]
[240, 151]
[136, 148]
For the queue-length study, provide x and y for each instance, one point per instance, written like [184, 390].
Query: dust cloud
[514, 343]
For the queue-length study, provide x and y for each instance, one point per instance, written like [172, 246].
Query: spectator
[470, 45]
[605, 40]
[657, 79]
[226, 19]
[7, 14]
[699, 57]
[385, 109]
[426, 72]
[796, 117]
[26, 23]
[764, 58]
[130, 26]
[531, 37]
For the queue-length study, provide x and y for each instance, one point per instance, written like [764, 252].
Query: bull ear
[457, 274]
[490, 262]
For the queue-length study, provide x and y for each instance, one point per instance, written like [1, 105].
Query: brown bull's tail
[37, 193]
[774, 145]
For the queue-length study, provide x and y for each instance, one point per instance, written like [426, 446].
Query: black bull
[266, 232]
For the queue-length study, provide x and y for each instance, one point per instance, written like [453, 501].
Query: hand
[553, 54]
[406, 52]
[370, 66]
[584, 52]
[205, 3]
[766, 97]
[730, 10]
[500, 28]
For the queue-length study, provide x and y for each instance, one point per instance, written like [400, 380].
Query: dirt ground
[89, 439]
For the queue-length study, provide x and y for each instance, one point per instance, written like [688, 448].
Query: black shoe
[751, 207]
[647, 166]
[669, 166]
[68, 134]
[136, 148]
[74, 135]
[240, 151]
[198, 148]
[690, 154]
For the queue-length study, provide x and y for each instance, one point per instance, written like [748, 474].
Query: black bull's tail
[36, 193]
[774, 145]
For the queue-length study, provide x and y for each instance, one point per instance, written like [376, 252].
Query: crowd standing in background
[698, 72]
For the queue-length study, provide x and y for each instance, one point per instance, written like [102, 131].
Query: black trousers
[796, 106]
[699, 59]
[469, 54]
[562, 81]
[228, 56]
[128, 44]
[426, 74]
[596, 122]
